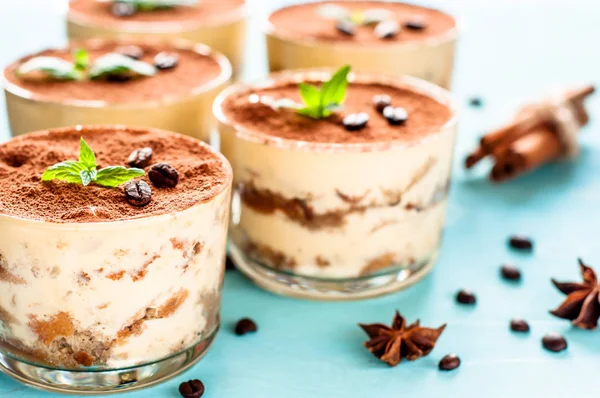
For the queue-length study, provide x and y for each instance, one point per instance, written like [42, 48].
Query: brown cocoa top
[192, 71]
[301, 22]
[206, 12]
[203, 174]
[425, 115]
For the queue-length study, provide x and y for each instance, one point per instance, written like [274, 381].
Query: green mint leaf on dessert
[40, 68]
[84, 171]
[151, 5]
[321, 103]
[82, 60]
[114, 64]
[113, 176]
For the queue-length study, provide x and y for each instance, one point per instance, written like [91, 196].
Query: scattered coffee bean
[245, 325]
[229, 264]
[381, 101]
[138, 193]
[123, 9]
[450, 362]
[554, 342]
[415, 24]
[519, 242]
[395, 115]
[166, 60]
[140, 158]
[519, 325]
[191, 389]
[356, 121]
[465, 297]
[163, 176]
[476, 102]
[387, 29]
[346, 27]
[131, 51]
[510, 272]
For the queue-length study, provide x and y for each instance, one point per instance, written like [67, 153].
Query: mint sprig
[48, 68]
[114, 64]
[82, 60]
[151, 5]
[322, 102]
[84, 171]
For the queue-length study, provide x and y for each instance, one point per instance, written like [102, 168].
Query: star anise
[582, 305]
[391, 344]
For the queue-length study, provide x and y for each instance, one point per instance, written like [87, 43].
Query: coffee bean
[122, 9]
[138, 193]
[140, 158]
[381, 101]
[450, 362]
[476, 102]
[510, 272]
[387, 29]
[356, 121]
[415, 24]
[245, 325]
[191, 389]
[466, 297]
[519, 325]
[554, 342]
[166, 60]
[131, 51]
[395, 115]
[346, 27]
[163, 176]
[519, 242]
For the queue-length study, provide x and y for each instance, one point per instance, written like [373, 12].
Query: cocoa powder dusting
[301, 22]
[204, 175]
[192, 71]
[59, 325]
[425, 115]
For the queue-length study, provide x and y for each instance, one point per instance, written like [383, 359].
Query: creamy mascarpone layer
[124, 293]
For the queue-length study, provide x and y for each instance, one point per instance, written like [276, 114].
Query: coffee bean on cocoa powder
[415, 24]
[191, 389]
[449, 362]
[356, 121]
[387, 30]
[245, 325]
[163, 175]
[510, 272]
[166, 60]
[346, 27]
[140, 158]
[554, 342]
[131, 51]
[519, 325]
[138, 193]
[520, 242]
[466, 297]
[395, 115]
[123, 9]
[381, 101]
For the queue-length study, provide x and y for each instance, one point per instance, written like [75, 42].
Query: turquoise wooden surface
[509, 51]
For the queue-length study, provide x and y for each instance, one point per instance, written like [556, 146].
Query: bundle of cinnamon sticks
[535, 136]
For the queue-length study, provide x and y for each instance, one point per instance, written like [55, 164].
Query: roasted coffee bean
[466, 297]
[387, 29]
[122, 9]
[163, 176]
[554, 342]
[450, 362]
[415, 24]
[140, 158]
[191, 389]
[346, 27]
[519, 325]
[138, 193]
[476, 102]
[381, 101]
[519, 242]
[510, 272]
[245, 325]
[395, 115]
[131, 51]
[356, 121]
[166, 60]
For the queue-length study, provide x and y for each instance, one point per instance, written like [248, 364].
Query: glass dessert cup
[190, 114]
[430, 58]
[337, 221]
[101, 307]
[225, 33]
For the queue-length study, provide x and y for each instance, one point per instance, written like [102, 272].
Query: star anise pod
[392, 343]
[582, 305]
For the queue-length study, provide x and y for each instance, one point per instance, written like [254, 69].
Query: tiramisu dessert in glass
[112, 246]
[340, 189]
[167, 85]
[219, 24]
[373, 36]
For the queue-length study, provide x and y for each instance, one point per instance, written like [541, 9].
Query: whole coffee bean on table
[554, 342]
[449, 362]
[244, 326]
[466, 297]
[163, 175]
[520, 242]
[510, 272]
[138, 193]
[519, 325]
[191, 389]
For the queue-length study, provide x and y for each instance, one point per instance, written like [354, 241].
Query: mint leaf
[334, 90]
[65, 171]
[114, 176]
[86, 156]
[118, 64]
[48, 67]
[321, 103]
[314, 113]
[311, 95]
[151, 5]
[82, 59]
[87, 176]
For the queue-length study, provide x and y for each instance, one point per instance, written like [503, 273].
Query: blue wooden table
[510, 51]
